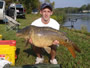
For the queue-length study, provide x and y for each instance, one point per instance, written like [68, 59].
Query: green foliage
[54, 17]
[31, 4]
[8, 3]
[47, 1]
[88, 7]
[74, 9]
[59, 16]
[28, 4]
[83, 28]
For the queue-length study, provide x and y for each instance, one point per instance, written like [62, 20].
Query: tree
[88, 7]
[47, 1]
[31, 4]
[8, 3]
[53, 3]
[35, 4]
[83, 7]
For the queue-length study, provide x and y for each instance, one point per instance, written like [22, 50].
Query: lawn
[27, 56]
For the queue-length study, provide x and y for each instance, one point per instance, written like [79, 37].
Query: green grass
[27, 56]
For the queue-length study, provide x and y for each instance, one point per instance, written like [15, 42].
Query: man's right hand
[30, 41]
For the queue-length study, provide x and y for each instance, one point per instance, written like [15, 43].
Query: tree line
[73, 9]
[29, 5]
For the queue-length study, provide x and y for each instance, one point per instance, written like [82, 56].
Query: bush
[59, 17]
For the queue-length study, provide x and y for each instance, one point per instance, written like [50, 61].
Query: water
[78, 21]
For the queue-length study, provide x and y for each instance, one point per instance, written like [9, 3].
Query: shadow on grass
[30, 51]
[17, 53]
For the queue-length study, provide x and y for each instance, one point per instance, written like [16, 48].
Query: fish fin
[76, 48]
[47, 49]
[72, 51]
[27, 41]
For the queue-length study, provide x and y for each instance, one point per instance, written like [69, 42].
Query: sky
[69, 3]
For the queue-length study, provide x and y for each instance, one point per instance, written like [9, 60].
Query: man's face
[46, 13]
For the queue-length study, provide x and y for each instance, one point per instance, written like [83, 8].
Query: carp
[43, 37]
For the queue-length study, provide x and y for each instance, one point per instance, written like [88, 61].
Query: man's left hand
[56, 42]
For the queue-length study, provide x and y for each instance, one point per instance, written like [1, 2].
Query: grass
[27, 56]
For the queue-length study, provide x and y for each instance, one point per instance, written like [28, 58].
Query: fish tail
[72, 51]
[76, 48]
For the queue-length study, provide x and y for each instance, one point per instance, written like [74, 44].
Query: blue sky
[69, 3]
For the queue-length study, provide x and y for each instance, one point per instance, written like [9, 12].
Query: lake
[78, 21]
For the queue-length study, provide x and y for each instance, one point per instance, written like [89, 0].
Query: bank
[27, 56]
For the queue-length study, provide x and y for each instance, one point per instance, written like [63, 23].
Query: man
[45, 21]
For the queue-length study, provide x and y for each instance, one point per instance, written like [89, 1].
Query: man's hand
[56, 42]
[30, 41]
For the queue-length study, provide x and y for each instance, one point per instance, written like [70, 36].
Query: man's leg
[53, 54]
[38, 52]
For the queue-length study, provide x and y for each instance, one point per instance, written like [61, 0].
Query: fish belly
[41, 41]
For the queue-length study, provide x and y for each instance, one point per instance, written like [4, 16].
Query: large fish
[44, 37]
